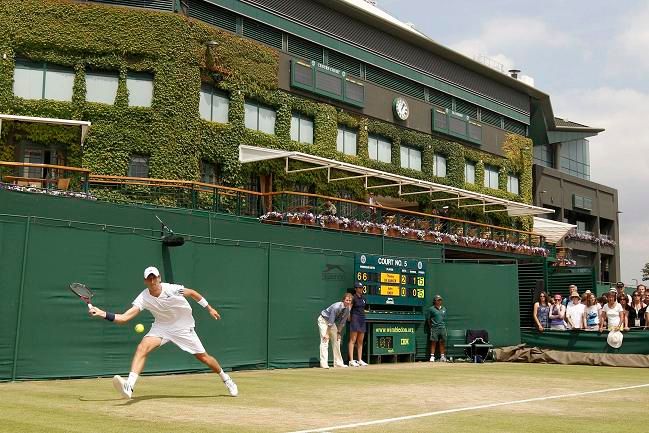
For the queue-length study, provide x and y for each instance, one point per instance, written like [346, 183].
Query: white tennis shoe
[231, 386]
[432, 358]
[362, 363]
[122, 387]
[354, 363]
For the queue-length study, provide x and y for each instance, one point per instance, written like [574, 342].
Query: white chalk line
[465, 409]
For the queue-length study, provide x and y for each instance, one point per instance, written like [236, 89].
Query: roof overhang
[553, 231]
[415, 186]
[63, 122]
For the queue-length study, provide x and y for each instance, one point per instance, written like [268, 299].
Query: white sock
[224, 375]
[132, 378]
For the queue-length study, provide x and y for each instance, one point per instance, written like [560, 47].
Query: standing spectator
[541, 313]
[575, 312]
[357, 326]
[612, 313]
[622, 300]
[602, 300]
[557, 314]
[328, 208]
[436, 317]
[331, 323]
[637, 311]
[642, 289]
[619, 286]
[591, 313]
[571, 288]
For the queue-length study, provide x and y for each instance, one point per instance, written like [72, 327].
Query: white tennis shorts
[186, 339]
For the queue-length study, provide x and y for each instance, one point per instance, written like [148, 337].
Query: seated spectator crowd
[615, 310]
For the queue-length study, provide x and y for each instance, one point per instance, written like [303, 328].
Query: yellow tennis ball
[139, 328]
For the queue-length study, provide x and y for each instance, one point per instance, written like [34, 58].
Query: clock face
[401, 109]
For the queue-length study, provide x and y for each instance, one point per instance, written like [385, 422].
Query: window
[301, 128]
[140, 89]
[544, 155]
[456, 124]
[491, 176]
[210, 173]
[43, 81]
[101, 87]
[138, 166]
[346, 140]
[512, 184]
[411, 158]
[259, 117]
[213, 105]
[575, 159]
[439, 166]
[379, 148]
[469, 172]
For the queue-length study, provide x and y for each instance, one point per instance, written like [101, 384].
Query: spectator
[642, 289]
[591, 312]
[602, 300]
[328, 208]
[637, 311]
[619, 286]
[575, 312]
[612, 313]
[571, 288]
[357, 326]
[436, 317]
[542, 312]
[331, 323]
[557, 314]
[622, 300]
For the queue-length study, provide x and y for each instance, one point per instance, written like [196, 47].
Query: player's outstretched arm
[191, 293]
[117, 318]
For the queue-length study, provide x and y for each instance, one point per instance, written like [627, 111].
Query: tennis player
[173, 322]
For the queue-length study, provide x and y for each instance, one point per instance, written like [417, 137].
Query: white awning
[487, 202]
[64, 122]
[553, 231]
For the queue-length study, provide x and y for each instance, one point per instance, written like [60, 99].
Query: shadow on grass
[151, 397]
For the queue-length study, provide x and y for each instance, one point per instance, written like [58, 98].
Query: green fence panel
[12, 243]
[479, 296]
[302, 283]
[635, 342]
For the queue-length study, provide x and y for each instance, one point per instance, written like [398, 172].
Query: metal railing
[44, 176]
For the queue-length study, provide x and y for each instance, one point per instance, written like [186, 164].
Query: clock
[400, 108]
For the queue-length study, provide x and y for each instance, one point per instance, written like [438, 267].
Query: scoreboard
[391, 280]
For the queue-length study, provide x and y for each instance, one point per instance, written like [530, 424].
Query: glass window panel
[415, 160]
[220, 108]
[340, 140]
[306, 131]
[138, 166]
[385, 151]
[267, 120]
[205, 103]
[59, 84]
[295, 128]
[439, 167]
[140, 90]
[251, 120]
[350, 142]
[101, 87]
[373, 147]
[28, 81]
[512, 184]
[404, 157]
[469, 172]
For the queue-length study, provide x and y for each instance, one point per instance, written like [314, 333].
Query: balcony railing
[56, 179]
[287, 207]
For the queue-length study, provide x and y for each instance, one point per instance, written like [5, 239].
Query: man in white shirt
[575, 312]
[173, 322]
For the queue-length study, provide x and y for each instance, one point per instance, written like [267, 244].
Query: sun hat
[614, 339]
[619, 284]
[575, 295]
[358, 285]
[437, 297]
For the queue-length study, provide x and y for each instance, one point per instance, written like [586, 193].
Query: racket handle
[89, 305]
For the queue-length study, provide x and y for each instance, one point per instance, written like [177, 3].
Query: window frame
[346, 129]
[299, 117]
[43, 68]
[258, 107]
[140, 77]
[487, 177]
[409, 150]
[132, 168]
[378, 141]
[111, 74]
[510, 179]
[214, 93]
[436, 159]
[473, 166]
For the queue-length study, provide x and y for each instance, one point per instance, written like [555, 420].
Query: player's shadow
[159, 397]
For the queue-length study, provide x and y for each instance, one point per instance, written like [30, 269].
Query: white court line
[464, 409]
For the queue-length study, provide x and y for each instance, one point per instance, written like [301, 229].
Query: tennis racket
[83, 292]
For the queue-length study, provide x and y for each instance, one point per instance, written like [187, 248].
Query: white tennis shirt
[170, 310]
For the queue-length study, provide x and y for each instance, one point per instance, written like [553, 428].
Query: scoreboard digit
[391, 280]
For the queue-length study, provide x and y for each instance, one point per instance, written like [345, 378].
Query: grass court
[431, 397]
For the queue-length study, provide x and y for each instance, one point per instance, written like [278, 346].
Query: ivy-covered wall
[173, 48]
